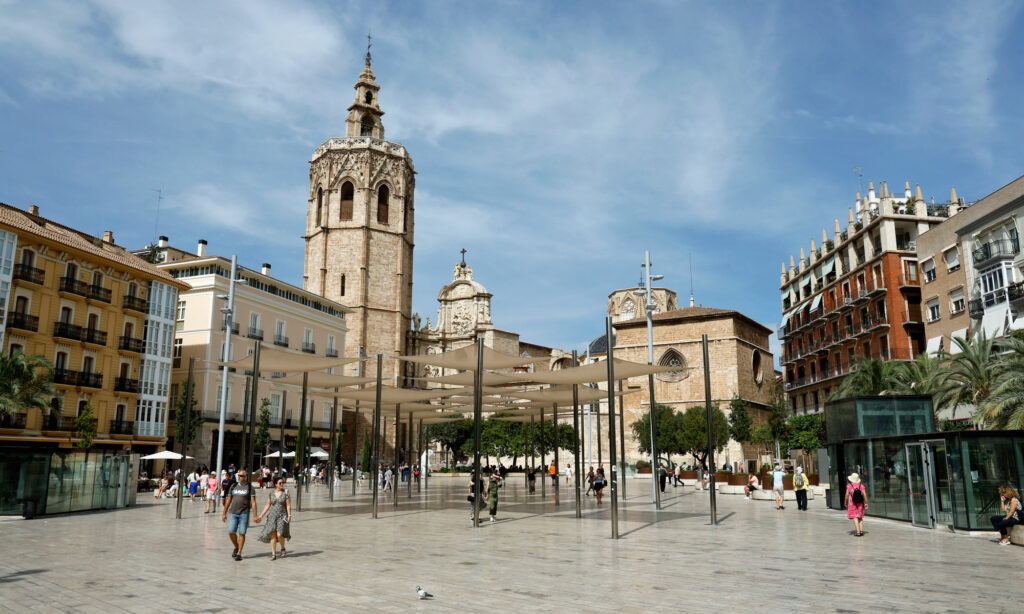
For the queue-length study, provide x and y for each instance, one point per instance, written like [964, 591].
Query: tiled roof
[23, 222]
[600, 345]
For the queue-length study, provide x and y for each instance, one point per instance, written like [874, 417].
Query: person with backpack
[800, 487]
[856, 503]
[1010, 506]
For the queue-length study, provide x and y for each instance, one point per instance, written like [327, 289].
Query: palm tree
[971, 374]
[924, 375]
[25, 383]
[870, 377]
[1004, 407]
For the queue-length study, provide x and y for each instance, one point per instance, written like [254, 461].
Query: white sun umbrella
[318, 452]
[164, 455]
[279, 455]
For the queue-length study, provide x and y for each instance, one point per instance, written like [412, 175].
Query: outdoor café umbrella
[164, 455]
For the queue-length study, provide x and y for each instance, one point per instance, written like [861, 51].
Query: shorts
[778, 490]
[753, 488]
[211, 495]
[238, 523]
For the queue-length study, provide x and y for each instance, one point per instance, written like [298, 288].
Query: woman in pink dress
[856, 503]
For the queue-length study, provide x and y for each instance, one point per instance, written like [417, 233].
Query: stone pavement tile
[537, 558]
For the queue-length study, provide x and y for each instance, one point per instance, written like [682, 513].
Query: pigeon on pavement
[423, 594]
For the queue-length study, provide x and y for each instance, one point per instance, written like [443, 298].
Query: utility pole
[649, 307]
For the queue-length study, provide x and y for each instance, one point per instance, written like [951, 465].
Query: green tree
[693, 436]
[666, 431]
[367, 459]
[261, 439]
[339, 438]
[26, 382]
[85, 428]
[761, 436]
[869, 377]
[740, 422]
[503, 438]
[451, 435]
[185, 430]
[805, 433]
[1004, 406]
[972, 375]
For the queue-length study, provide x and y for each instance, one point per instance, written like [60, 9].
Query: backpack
[798, 481]
[857, 497]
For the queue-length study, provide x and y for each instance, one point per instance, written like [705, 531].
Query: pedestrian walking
[1009, 504]
[777, 488]
[590, 481]
[226, 482]
[389, 478]
[856, 503]
[211, 493]
[241, 502]
[800, 487]
[599, 483]
[278, 514]
[568, 473]
[193, 485]
[678, 476]
[662, 478]
[492, 495]
[553, 472]
[531, 479]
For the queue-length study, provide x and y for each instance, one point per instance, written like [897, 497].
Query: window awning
[816, 302]
[953, 347]
[993, 323]
[1017, 323]
[785, 318]
[830, 266]
[934, 345]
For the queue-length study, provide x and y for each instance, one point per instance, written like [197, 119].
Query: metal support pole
[280, 448]
[544, 473]
[226, 357]
[711, 446]
[183, 437]
[622, 444]
[419, 457]
[597, 418]
[307, 460]
[254, 394]
[394, 468]
[533, 451]
[576, 441]
[554, 424]
[243, 438]
[376, 437]
[333, 453]
[649, 308]
[356, 456]
[478, 377]
[408, 457]
[611, 434]
[300, 442]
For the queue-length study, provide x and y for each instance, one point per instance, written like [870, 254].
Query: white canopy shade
[318, 380]
[465, 359]
[164, 455]
[279, 455]
[318, 452]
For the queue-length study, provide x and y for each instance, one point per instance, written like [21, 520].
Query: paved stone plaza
[536, 558]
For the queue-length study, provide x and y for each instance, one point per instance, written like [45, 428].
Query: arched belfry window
[347, 200]
[368, 98]
[319, 207]
[367, 126]
[383, 197]
[672, 358]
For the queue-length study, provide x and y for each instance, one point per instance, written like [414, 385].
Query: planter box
[787, 483]
[739, 479]
[646, 470]
[689, 475]
[812, 479]
[721, 477]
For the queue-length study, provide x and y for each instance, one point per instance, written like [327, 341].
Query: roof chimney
[33, 209]
[108, 236]
[201, 248]
[162, 242]
[266, 268]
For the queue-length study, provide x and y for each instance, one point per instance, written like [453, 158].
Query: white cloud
[217, 209]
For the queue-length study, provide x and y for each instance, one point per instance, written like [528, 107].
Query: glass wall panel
[888, 494]
[22, 475]
[857, 460]
[83, 470]
[914, 416]
[957, 494]
[61, 480]
[991, 462]
[876, 417]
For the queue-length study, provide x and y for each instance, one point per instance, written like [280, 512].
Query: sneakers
[238, 557]
[234, 553]
[493, 520]
[748, 498]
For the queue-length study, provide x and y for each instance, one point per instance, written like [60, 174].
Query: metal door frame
[927, 459]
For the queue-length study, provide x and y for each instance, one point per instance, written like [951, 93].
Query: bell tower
[359, 228]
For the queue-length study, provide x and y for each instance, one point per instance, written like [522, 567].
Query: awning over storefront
[993, 323]
[934, 345]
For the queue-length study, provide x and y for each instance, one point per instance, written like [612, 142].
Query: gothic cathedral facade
[359, 229]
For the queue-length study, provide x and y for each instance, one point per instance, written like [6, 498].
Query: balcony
[64, 330]
[131, 344]
[255, 333]
[22, 321]
[913, 317]
[1016, 293]
[30, 274]
[332, 353]
[99, 293]
[135, 304]
[976, 308]
[234, 328]
[90, 380]
[125, 384]
[13, 420]
[66, 377]
[999, 249]
[73, 286]
[309, 347]
[121, 427]
[281, 340]
[94, 336]
[53, 422]
[845, 303]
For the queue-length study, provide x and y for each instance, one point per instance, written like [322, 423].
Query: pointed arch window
[383, 198]
[347, 200]
[366, 128]
[319, 206]
[368, 98]
[672, 358]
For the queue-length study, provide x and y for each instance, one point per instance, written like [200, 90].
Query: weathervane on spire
[369, 43]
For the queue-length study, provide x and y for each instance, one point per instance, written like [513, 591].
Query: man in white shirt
[568, 473]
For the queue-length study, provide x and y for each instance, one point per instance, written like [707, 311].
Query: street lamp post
[228, 312]
[649, 307]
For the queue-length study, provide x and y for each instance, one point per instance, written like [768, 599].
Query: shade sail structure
[513, 418]
[413, 406]
[467, 379]
[279, 455]
[441, 419]
[319, 380]
[279, 361]
[564, 395]
[395, 395]
[597, 372]
[164, 455]
[465, 359]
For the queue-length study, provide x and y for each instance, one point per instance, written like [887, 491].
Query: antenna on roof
[156, 224]
[860, 179]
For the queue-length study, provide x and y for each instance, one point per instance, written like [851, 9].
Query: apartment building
[266, 310]
[102, 316]
[856, 295]
[944, 284]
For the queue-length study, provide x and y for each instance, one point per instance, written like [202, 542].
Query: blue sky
[553, 140]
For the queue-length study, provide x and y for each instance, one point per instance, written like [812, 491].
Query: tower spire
[369, 43]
